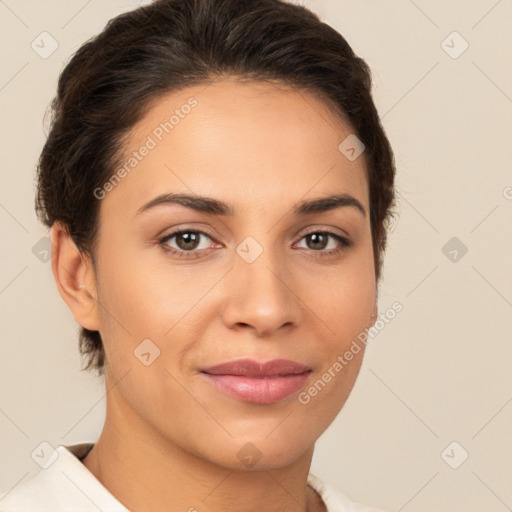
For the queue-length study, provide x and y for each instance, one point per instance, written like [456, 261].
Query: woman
[218, 186]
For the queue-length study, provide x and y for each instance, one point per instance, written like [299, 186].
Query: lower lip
[263, 390]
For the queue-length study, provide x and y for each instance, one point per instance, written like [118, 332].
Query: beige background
[438, 373]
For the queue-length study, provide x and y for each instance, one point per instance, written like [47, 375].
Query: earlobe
[74, 276]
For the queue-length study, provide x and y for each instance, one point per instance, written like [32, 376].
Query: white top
[66, 485]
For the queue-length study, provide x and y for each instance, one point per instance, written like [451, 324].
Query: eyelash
[345, 244]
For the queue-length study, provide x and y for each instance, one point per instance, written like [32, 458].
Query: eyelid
[165, 238]
[344, 242]
[311, 230]
[324, 229]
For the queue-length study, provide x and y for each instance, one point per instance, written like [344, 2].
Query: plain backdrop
[428, 424]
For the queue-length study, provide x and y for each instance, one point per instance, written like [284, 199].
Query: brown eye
[319, 241]
[185, 241]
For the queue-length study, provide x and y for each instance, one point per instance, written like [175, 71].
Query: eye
[187, 241]
[319, 241]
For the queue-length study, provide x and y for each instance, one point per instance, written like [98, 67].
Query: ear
[75, 279]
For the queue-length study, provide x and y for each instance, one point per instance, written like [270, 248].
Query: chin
[260, 453]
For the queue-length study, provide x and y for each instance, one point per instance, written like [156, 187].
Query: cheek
[145, 298]
[347, 316]
[346, 300]
[346, 309]
[150, 300]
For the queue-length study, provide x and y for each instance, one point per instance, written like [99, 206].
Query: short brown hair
[140, 55]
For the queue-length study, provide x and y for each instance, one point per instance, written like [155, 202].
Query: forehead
[244, 142]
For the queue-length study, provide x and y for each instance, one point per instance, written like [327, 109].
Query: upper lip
[252, 368]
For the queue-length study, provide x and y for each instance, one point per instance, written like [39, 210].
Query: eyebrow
[215, 207]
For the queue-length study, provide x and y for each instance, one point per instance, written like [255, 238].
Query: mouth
[255, 382]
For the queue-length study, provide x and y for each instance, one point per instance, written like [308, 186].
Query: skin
[170, 439]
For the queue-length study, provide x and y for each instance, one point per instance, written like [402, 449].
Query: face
[250, 276]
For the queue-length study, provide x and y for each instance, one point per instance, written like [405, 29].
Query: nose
[260, 297]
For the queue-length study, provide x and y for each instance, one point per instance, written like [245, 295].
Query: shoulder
[63, 484]
[334, 499]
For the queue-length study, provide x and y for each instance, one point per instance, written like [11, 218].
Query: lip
[261, 383]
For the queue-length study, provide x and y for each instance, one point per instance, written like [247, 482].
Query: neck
[147, 472]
